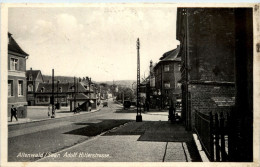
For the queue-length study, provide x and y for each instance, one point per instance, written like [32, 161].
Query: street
[53, 135]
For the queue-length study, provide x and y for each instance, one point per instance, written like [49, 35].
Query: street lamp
[138, 109]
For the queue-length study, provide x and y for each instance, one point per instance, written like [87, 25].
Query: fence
[212, 131]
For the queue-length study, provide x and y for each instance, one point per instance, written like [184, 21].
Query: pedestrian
[49, 110]
[13, 113]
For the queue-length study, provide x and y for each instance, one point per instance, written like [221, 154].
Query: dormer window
[42, 89]
[60, 89]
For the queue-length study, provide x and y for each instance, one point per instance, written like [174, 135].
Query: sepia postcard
[130, 84]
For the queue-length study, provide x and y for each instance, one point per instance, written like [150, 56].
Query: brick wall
[201, 97]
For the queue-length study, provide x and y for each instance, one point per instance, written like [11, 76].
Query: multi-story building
[17, 95]
[167, 75]
[216, 72]
[34, 78]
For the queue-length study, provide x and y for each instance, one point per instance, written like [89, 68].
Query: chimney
[31, 68]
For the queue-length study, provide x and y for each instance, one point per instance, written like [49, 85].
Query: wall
[16, 76]
[203, 101]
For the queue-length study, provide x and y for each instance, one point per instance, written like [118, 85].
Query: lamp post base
[139, 118]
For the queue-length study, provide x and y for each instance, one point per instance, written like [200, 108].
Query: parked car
[127, 104]
[105, 104]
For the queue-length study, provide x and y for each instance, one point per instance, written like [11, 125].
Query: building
[62, 93]
[34, 78]
[207, 51]
[17, 95]
[217, 52]
[167, 75]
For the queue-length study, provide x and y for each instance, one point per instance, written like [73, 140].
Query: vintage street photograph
[129, 83]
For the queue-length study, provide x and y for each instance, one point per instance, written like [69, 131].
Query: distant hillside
[125, 83]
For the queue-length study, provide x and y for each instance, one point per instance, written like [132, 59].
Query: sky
[99, 42]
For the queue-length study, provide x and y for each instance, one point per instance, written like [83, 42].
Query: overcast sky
[96, 42]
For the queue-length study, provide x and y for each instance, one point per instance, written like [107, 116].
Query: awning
[91, 101]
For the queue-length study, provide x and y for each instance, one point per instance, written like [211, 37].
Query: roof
[34, 74]
[80, 87]
[80, 96]
[172, 55]
[66, 87]
[14, 47]
[48, 87]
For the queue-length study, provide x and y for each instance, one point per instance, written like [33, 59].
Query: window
[10, 88]
[178, 85]
[30, 77]
[14, 64]
[167, 85]
[60, 89]
[46, 99]
[20, 88]
[30, 88]
[42, 89]
[166, 68]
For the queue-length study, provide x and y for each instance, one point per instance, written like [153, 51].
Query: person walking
[13, 113]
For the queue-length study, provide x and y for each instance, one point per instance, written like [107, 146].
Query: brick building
[207, 51]
[216, 50]
[34, 78]
[167, 74]
[17, 95]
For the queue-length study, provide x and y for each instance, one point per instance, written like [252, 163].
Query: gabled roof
[34, 74]
[14, 47]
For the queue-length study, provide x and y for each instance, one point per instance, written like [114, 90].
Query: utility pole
[138, 107]
[52, 96]
[74, 94]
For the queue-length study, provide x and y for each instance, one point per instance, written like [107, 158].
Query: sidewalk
[64, 112]
[151, 141]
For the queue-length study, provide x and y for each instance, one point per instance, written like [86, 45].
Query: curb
[203, 155]
[40, 120]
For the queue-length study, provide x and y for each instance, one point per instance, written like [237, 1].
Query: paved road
[56, 134]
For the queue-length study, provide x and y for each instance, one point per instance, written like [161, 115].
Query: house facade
[17, 95]
[34, 78]
[167, 75]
